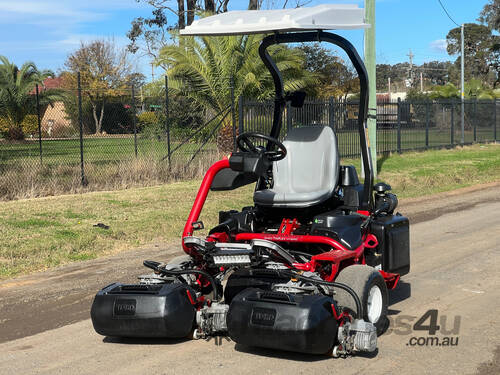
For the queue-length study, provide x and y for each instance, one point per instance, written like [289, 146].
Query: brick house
[54, 120]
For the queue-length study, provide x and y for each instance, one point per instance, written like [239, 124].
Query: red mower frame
[339, 257]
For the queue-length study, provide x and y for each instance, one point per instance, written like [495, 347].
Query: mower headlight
[221, 260]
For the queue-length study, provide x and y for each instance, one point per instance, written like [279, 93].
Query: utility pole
[411, 56]
[410, 73]
[421, 82]
[389, 86]
[462, 90]
[372, 79]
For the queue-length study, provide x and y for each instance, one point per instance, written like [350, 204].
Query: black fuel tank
[299, 323]
[161, 310]
[393, 234]
[249, 278]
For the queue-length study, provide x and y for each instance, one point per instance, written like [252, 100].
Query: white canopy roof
[321, 17]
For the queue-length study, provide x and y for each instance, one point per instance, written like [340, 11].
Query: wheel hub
[374, 304]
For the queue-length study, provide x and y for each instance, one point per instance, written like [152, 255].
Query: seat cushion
[269, 197]
[308, 174]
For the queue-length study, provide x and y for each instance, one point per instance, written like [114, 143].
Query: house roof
[52, 83]
[49, 83]
[321, 17]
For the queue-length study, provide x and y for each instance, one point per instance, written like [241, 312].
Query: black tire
[362, 279]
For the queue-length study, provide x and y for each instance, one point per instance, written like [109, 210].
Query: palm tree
[448, 91]
[204, 68]
[16, 98]
[473, 89]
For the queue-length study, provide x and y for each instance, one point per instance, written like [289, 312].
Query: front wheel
[371, 289]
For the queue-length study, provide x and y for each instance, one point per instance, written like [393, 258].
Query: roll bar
[279, 100]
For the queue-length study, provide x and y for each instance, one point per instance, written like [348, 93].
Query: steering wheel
[245, 144]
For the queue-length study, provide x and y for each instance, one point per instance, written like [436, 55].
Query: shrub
[117, 115]
[30, 125]
[147, 118]
[4, 126]
[153, 131]
[151, 124]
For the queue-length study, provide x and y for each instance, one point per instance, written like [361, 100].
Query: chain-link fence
[86, 139]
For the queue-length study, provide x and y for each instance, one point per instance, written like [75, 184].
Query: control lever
[198, 243]
[269, 245]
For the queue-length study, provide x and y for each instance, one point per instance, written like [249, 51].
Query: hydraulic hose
[295, 252]
[156, 266]
[348, 289]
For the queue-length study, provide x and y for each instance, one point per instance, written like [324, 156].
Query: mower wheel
[370, 286]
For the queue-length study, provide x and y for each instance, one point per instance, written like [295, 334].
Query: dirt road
[455, 239]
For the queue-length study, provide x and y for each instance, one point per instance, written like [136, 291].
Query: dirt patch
[46, 300]
[492, 367]
[434, 206]
[461, 191]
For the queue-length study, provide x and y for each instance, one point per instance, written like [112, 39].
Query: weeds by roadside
[18, 182]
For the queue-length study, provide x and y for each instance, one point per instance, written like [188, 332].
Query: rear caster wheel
[370, 286]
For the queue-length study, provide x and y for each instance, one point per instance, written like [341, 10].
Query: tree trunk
[253, 4]
[191, 7]
[15, 132]
[224, 139]
[182, 16]
[96, 120]
[101, 117]
[210, 6]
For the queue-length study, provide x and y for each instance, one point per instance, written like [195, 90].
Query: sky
[46, 31]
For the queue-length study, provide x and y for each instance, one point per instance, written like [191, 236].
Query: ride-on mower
[308, 267]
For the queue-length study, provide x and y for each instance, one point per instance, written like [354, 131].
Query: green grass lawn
[111, 150]
[45, 232]
[96, 150]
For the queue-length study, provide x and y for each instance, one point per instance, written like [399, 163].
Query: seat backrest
[311, 163]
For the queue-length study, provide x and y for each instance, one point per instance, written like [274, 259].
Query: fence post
[134, 120]
[233, 113]
[39, 122]
[452, 127]
[399, 127]
[474, 120]
[331, 114]
[80, 122]
[427, 124]
[240, 114]
[167, 121]
[288, 116]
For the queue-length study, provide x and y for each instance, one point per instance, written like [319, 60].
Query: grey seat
[308, 174]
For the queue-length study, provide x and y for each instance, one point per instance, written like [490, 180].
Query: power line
[448, 14]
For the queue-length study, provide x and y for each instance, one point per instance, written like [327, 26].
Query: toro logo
[263, 317]
[124, 307]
